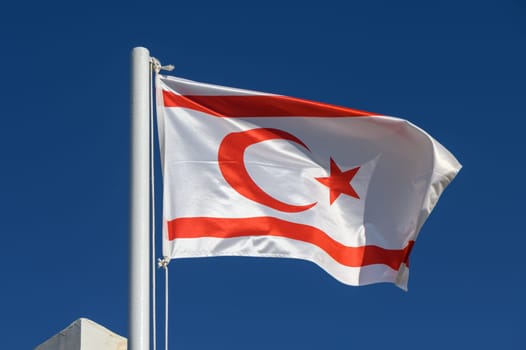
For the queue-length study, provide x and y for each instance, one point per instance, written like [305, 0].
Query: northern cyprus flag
[255, 174]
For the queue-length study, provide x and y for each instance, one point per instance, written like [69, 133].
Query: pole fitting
[157, 67]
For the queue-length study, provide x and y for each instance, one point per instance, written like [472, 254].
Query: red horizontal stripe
[199, 227]
[258, 106]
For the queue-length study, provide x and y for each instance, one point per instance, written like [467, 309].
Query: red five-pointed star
[339, 182]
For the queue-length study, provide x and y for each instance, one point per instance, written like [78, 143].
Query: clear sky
[455, 68]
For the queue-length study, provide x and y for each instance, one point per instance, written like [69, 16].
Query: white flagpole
[139, 263]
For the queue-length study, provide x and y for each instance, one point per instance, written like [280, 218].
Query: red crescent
[231, 162]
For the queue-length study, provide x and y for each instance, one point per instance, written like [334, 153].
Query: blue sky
[454, 68]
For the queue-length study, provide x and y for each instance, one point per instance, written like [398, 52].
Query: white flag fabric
[255, 174]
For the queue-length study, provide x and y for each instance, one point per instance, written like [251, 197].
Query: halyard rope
[152, 205]
[156, 67]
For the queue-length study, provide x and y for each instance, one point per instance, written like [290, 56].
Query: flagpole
[139, 251]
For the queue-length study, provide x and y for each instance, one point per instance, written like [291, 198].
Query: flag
[255, 174]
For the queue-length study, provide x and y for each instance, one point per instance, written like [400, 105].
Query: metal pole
[139, 263]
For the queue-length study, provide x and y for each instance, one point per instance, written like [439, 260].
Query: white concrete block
[84, 334]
